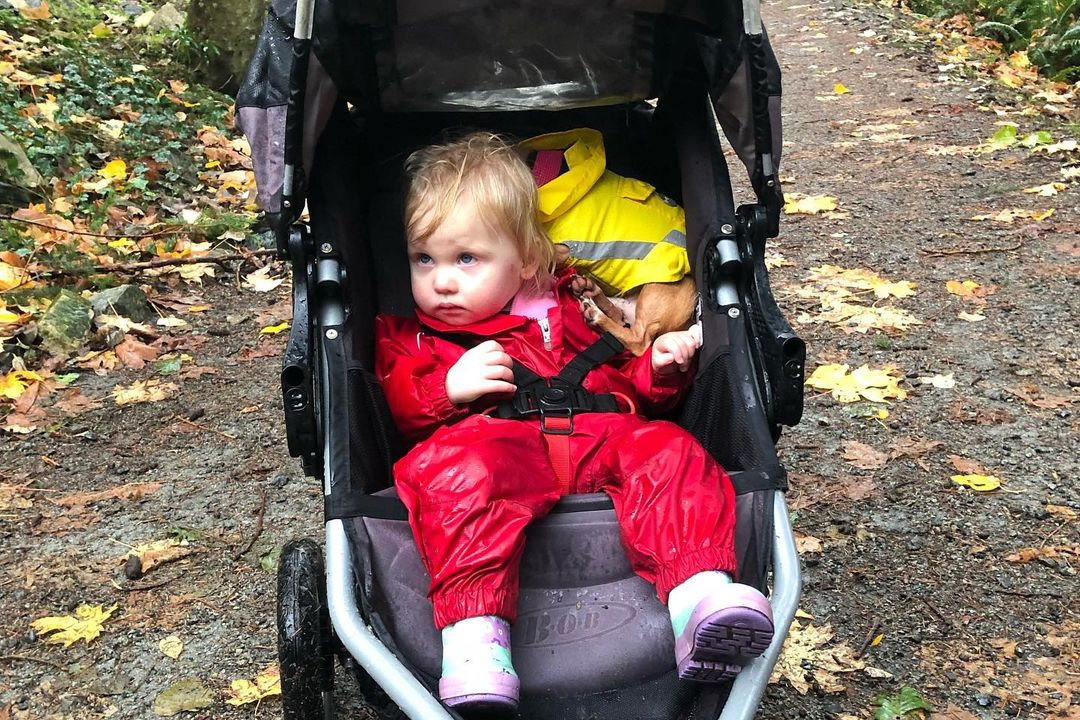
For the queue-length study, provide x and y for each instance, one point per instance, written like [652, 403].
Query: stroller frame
[317, 419]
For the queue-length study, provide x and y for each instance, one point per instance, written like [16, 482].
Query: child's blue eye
[467, 259]
[423, 259]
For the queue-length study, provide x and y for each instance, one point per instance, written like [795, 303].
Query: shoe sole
[485, 691]
[723, 642]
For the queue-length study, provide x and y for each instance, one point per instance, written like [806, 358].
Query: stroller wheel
[304, 637]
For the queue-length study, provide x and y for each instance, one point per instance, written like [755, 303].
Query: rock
[66, 324]
[124, 300]
[166, 18]
[133, 8]
[23, 173]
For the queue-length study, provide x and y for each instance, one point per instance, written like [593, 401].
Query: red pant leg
[471, 489]
[675, 504]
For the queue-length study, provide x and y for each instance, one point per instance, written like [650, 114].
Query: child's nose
[445, 281]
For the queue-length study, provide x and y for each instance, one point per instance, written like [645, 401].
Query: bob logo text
[564, 624]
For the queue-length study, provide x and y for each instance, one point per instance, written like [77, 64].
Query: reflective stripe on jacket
[619, 230]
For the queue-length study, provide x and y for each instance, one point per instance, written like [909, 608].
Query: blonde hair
[486, 167]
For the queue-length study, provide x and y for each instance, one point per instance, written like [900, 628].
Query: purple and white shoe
[726, 630]
[477, 675]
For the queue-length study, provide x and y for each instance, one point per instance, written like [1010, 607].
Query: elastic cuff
[451, 607]
[691, 564]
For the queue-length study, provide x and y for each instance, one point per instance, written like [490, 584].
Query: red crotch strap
[558, 447]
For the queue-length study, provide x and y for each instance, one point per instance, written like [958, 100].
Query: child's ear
[528, 272]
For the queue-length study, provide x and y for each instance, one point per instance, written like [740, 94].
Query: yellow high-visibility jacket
[619, 230]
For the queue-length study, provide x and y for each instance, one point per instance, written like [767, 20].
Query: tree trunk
[230, 26]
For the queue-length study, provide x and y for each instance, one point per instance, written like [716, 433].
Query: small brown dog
[637, 320]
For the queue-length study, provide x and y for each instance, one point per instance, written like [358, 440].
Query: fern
[1007, 33]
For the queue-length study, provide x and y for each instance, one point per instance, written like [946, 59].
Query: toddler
[511, 401]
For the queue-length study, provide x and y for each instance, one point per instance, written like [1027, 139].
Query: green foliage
[1048, 29]
[906, 705]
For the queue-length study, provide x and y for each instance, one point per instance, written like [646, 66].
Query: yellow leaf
[171, 646]
[48, 108]
[15, 382]
[877, 640]
[971, 317]
[875, 385]
[1009, 215]
[797, 204]
[979, 483]
[266, 684]
[275, 329]
[12, 277]
[115, 170]
[1071, 173]
[810, 658]
[86, 624]
[963, 289]
[101, 30]
[1047, 190]
[142, 391]
[840, 89]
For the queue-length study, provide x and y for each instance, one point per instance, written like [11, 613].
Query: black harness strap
[563, 395]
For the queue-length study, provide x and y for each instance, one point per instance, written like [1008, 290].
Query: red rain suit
[472, 483]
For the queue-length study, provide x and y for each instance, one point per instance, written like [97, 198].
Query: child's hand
[483, 369]
[675, 350]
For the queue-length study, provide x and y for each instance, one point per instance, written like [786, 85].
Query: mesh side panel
[374, 443]
[717, 414]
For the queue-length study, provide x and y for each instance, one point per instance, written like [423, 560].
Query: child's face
[465, 271]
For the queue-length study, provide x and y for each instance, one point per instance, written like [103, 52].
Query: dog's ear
[562, 255]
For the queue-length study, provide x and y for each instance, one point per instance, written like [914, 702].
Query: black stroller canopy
[525, 54]
[390, 56]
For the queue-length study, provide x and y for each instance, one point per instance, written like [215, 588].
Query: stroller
[338, 94]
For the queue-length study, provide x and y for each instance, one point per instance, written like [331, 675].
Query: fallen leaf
[1009, 215]
[979, 483]
[863, 456]
[797, 204]
[275, 329]
[86, 624]
[1047, 190]
[16, 382]
[875, 385]
[939, 381]
[134, 354]
[1033, 396]
[966, 466]
[142, 391]
[130, 491]
[171, 646]
[807, 659]
[808, 544]
[260, 281]
[266, 684]
[186, 694]
[1062, 511]
[840, 89]
[970, 317]
[159, 552]
[1026, 555]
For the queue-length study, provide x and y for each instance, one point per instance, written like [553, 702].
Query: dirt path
[903, 552]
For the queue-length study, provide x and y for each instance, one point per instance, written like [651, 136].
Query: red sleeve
[412, 367]
[657, 393]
